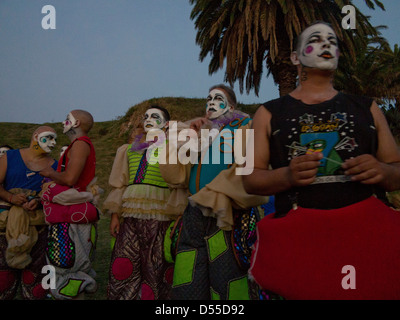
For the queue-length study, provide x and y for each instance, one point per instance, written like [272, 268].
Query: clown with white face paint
[139, 196]
[317, 48]
[47, 140]
[217, 104]
[217, 200]
[329, 158]
[23, 236]
[70, 209]
[154, 119]
[69, 123]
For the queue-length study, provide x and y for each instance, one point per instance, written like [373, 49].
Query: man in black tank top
[330, 154]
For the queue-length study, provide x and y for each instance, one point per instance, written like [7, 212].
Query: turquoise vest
[142, 171]
[221, 152]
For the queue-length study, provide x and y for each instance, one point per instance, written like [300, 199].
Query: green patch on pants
[216, 245]
[93, 235]
[112, 243]
[238, 289]
[214, 295]
[167, 244]
[184, 267]
[71, 289]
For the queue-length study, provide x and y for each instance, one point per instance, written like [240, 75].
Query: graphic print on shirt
[325, 136]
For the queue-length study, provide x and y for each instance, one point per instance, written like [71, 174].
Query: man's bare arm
[384, 169]
[301, 171]
[77, 156]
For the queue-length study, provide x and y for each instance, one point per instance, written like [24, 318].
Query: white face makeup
[69, 123]
[47, 140]
[154, 119]
[319, 48]
[3, 151]
[217, 104]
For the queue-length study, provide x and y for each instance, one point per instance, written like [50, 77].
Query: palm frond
[250, 35]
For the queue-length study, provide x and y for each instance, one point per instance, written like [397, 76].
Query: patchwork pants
[30, 278]
[205, 265]
[71, 251]
[138, 267]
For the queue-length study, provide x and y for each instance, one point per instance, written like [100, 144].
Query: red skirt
[347, 253]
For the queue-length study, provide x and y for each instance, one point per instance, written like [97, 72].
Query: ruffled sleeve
[225, 192]
[176, 175]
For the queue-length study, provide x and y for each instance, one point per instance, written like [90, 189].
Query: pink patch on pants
[147, 292]
[7, 279]
[122, 268]
[39, 292]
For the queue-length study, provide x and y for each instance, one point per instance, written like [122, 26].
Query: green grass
[107, 137]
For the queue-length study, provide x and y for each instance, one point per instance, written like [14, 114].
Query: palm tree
[375, 71]
[249, 33]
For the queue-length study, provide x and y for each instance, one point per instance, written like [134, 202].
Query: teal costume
[206, 266]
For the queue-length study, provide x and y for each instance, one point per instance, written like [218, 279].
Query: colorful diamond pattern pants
[205, 265]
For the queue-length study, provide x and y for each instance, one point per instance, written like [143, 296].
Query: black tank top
[340, 128]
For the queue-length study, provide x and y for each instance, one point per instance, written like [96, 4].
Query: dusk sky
[106, 56]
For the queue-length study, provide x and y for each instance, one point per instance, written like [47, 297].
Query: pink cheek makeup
[309, 49]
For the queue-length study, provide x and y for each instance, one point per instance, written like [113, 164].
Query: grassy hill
[107, 137]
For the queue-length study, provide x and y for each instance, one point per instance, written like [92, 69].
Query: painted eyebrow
[315, 32]
[218, 95]
[48, 133]
[314, 35]
[318, 32]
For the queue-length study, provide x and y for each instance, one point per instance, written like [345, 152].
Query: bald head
[85, 119]
[77, 124]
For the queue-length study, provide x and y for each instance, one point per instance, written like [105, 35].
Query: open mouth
[212, 109]
[149, 125]
[326, 55]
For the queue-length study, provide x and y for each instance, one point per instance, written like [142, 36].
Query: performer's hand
[303, 169]
[114, 225]
[31, 205]
[365, 168]
[18, 199]
[197, 124]
[46, 172]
